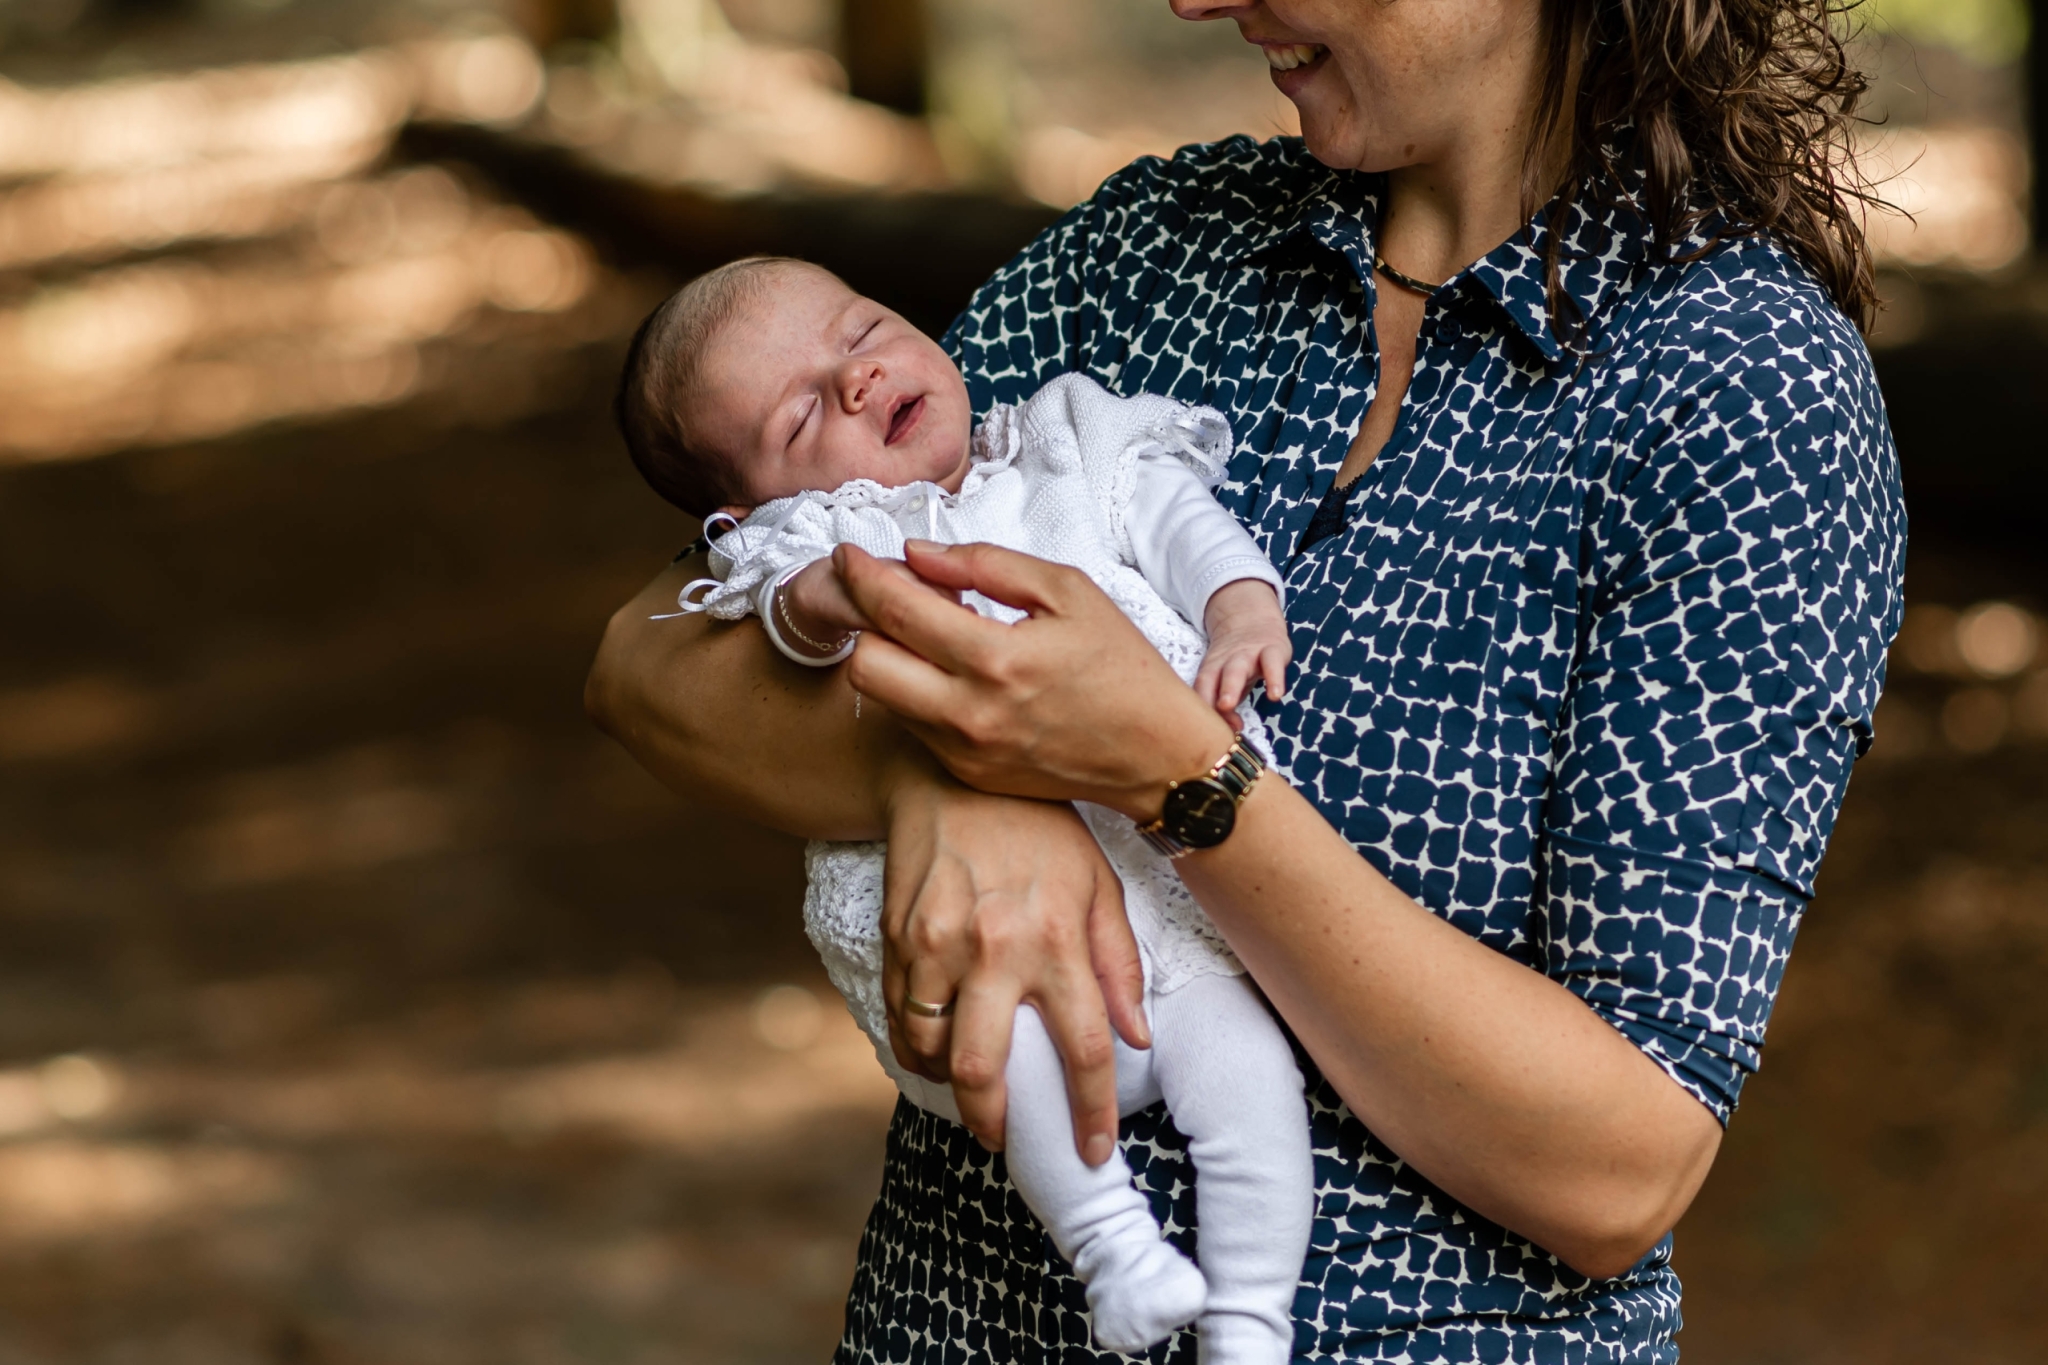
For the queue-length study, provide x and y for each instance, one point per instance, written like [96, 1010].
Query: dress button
[916, 504]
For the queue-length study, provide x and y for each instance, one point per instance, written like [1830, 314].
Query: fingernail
[1099, 1148]
[925, 547]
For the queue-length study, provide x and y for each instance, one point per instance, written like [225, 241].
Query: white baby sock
[1230, 1079]
[1139, 1288]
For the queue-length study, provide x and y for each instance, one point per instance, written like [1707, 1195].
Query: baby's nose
[857, 382]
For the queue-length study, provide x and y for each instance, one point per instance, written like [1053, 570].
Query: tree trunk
[549, 22]
[885, 48]
[2037, 118]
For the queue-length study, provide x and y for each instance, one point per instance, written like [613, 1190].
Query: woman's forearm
[713, 711]
[1493, 1081]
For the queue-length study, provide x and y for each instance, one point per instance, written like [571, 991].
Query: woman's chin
[1329, 127]
[1340, 150]
[1342, 145]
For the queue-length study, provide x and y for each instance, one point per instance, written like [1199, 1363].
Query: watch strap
[1236, 772]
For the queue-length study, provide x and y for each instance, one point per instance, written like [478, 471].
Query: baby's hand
[1247, 640]
[815, 599]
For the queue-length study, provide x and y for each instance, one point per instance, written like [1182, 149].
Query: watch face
[1201, 813]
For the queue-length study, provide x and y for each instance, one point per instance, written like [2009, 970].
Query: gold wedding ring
[913, 1005]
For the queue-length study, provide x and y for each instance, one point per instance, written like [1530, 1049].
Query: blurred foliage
[1988, 32]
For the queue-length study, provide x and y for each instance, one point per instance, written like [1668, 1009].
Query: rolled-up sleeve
[1740, 593]
[1682, 958]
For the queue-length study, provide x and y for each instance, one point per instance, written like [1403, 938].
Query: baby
[769, 398]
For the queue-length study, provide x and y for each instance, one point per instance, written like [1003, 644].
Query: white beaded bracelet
[765, 606]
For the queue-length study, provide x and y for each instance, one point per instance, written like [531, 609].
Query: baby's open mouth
[1287, 56]
[902, 418]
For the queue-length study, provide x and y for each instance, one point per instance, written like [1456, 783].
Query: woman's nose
[856, 382]
[1211, 9]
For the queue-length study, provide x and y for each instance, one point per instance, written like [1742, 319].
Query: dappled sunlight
[449, 1183]
[146, 162]
[178, 349]
[1967, 680]
[74, 716]
[706, 1081]
[255, 264]
[67, 1189]
[1960, 192]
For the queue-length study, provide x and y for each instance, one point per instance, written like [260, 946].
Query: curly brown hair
[1734, 119]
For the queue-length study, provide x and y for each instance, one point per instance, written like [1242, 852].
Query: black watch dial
[1200, 813]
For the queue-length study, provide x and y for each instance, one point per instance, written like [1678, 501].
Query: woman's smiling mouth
[903, 419]
[1287, 56]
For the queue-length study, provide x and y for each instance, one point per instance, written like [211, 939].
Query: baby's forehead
[796, 283]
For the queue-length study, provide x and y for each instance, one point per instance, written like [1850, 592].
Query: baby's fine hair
[664, 372]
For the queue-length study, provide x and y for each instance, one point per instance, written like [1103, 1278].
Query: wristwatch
[1201, 811]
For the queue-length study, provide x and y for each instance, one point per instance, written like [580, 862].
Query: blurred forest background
[359, 1005]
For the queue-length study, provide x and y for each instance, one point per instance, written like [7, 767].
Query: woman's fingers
[1074, 1016]
[984, 1016]
[926, 1036]
[1007, 576]
[1119, 971]
[1071, 702]
[912, 612]
[926, 898]
[988, 902]
[908, 685]
[921, 1045]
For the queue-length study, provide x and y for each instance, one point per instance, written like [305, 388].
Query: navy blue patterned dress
[1582, 668]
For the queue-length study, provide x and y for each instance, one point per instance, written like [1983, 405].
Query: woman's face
[1383, 84]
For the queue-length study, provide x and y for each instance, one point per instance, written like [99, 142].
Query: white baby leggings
[1225, 1071]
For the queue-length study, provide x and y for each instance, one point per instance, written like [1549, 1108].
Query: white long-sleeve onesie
[1119, 488]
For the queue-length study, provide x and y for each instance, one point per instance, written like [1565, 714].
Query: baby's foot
[1239, 1339]
[1138, 1303]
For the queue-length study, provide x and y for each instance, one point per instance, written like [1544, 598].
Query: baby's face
[814, 385]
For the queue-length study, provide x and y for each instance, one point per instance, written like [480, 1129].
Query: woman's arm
[1017, 891]
[1493, 1081]
[709, 708]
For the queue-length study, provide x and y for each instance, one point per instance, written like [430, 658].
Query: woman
[1539, 351]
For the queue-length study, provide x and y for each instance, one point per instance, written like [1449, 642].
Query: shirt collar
[1603, 248]
[1331, 206]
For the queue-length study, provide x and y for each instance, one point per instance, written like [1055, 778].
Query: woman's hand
[1071, 703]
[991, 902]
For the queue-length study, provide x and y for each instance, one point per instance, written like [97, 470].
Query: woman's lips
[1290, 64]
[903, 420]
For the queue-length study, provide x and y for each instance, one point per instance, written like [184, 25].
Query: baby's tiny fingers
[1273, 665]
[1236, 674]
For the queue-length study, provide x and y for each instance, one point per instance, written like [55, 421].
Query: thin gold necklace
[1408, 282]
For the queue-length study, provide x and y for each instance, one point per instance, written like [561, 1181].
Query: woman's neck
[1446, 213]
